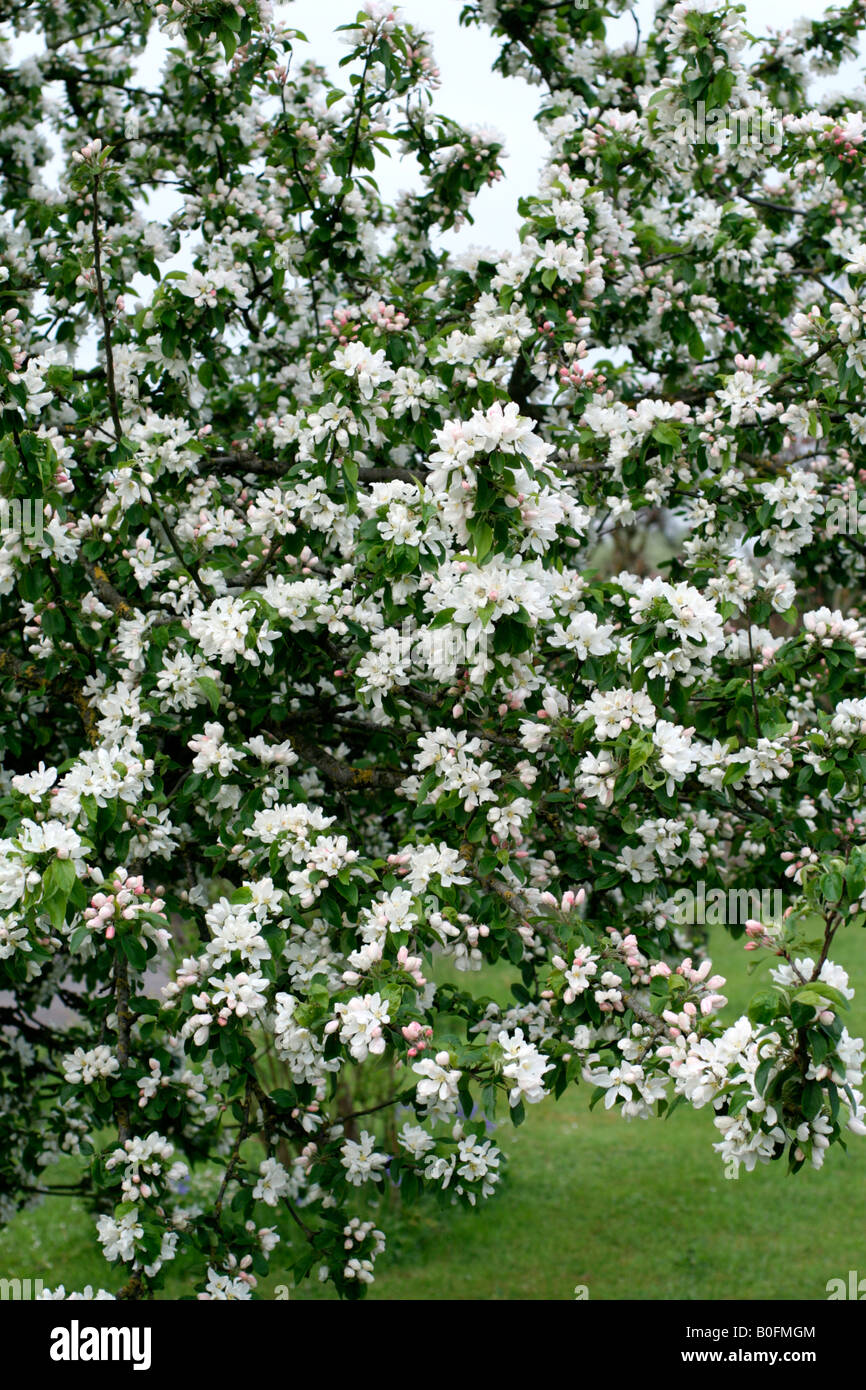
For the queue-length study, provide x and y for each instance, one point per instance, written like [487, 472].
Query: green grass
[632, 1210]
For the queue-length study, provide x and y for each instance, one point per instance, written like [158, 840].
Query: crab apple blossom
[371, 612]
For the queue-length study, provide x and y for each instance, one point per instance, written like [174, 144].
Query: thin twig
[106, 322]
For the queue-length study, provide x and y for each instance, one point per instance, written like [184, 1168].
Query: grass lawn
[632, 1210]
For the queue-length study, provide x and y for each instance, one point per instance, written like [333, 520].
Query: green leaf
[720, 89]
[228, 40]
[762, 1075]
[764, 1006]
[79, 936]
[483, 537]
[813, 1099]
[640, 752]
[58, 878]
[664, 433]
[211, 690]
[832, 885]
[817, 993]
[134, 951]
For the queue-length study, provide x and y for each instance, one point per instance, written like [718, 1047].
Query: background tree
[315, 666]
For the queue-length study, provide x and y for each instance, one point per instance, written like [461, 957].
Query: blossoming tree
[381, 608]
